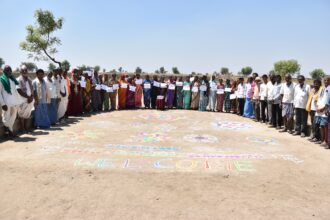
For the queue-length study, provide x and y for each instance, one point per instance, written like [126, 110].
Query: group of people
[54, 96]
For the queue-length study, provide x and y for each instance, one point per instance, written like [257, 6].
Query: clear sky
[194, 35]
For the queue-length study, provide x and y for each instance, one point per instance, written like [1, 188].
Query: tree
[97, 68]
[120, 69]
[31, 67]
[175, 70]
[138, 70]
[224, 71]
[51, 67]
[193, 73]
[2, 62]
[82, 67]
[317, 73]
[272, 72]
[284, 67]
[65, 65]
[40, 42]
[162, 70]
[157, 71]
[246, 71]
[104, 70]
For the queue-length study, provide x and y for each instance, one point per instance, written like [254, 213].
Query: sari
[138, 96]
[186, 95]
[146, 94]
[130, 98]
[122, 94]
[179, 97]
[195, 97]
[170, 96]
[87, 97]
[220, 98]
[75, 106]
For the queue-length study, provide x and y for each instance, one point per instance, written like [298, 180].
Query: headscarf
[6, 83]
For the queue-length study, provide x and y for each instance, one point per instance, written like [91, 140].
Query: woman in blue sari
[248, 108]
[203, 94]
[147, 92]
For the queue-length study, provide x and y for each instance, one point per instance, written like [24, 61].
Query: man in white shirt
[270, 98]
[301, 95]
[263, 98]
[27, 106]
[241, 90]
[10, 99]
[287, 93]
[52, 106]
[212, 94]
[277, 119]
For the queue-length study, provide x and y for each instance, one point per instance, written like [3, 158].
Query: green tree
[193, 73]
[31, 67]
[82, 67]
[138, 70]
[40, 42]
[317, 73]
[2, 62]
[175, 70]
[284, 67]
[51, 67]
[120, 69]
[157, 71]
[162, 70]
[272, 72]
[224, 71]
[97, 68]
[246, 71]
[104, 70]
[65, 65]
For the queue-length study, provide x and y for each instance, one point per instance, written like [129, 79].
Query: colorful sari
[220, 98]
[75, 106]
[138, 96]
[203, 97]
[87, 97]
[122, 94]
[130, 99]
[186, 94]
[179, 97]
[170, 97]
[146, 94]
[195, 97]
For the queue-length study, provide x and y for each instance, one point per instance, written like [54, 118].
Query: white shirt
[277, 93]
[13, 99]
[58, 84]
[51, 86]
[287, 92]
[270, 87]
[301, 96]
[321, 101]
[241, 91]
[263, 91]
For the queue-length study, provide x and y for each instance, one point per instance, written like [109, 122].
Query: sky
[193, 35]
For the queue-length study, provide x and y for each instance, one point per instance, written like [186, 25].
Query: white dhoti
[9, 117]
[62, 107]
[25, 109]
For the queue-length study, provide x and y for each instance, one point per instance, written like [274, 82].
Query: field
[175, 164]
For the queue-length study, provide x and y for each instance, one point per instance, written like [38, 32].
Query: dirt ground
[163, 165]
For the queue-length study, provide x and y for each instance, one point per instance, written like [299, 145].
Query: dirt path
[163, 165]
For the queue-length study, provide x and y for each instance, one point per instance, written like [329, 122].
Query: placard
[160, 97]
[98, 87]
[109, 89]
[232, 96]
[203, 88]
[156, 84]
[194, 89]
[179, 83]
[123, 85]
[82, 84]
[132, 88]
[104, 87]
[220, 91]
[138, 81]
[147, 86]
[163, 85]
[115, 86]
[186, 88]
[227, 89]
[171, 87]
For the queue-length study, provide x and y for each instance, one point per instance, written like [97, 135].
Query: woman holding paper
[212, 94]
[195, 94]
[106, 102]
[95, 92]
[179, 93]
[86, 94]
[138, 92]
[130, 98]
[220, 95]
[75, 98]
[147, 92]
[248, 107]
[227, 96]
[170, 93]
[203, 94]
[160, 102]
[122, 92]
[186, 93]
[154, 91]
[113, 84]
[233, 97]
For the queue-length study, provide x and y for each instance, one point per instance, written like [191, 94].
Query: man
[276, 107]
[256, 99]
[301, 94]
[241, 95]
[9, 98]
[270, 97]
[26, 91]
[113, 95]
[287, 94]
[213, 94]
[52, 106]
[263, 98]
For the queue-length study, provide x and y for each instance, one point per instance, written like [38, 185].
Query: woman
[179, 93]
[220, 95]
[203, 94]
[86, 94]
[138, 92]
[170, 93]
[160, 102]
[147, 92]
[233, 100]
[228, 92]
[130, 98]
[41, 97]
[154, 91]
[106, 101]
[248, 107]
[95, 92]
[75, 105]
[186, 93]
[122, 92]
[113, 84]
[195, 94]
